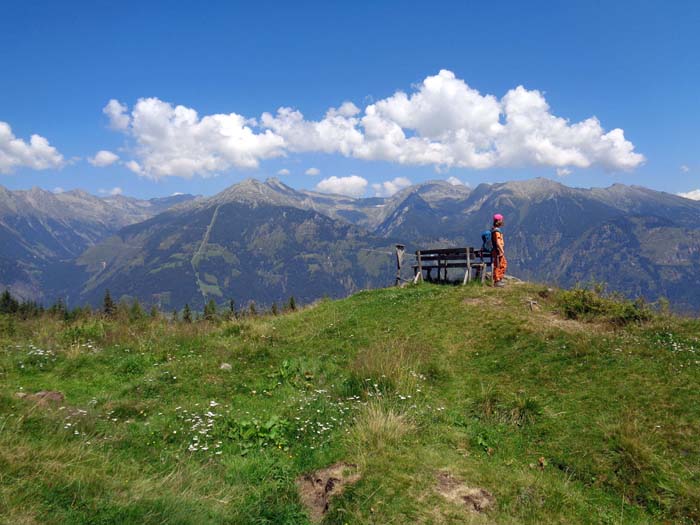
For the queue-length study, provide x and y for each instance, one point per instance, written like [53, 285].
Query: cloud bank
[444, 123]
[36, 154]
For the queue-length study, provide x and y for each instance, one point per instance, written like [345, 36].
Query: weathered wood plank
[400, 249]
[443, 251]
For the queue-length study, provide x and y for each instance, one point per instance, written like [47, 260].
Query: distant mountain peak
[256, 192]
[434, 191]
[275, 182]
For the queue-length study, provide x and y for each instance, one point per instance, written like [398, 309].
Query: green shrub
[82, 333]
[132, 366]
[580, 302]
[232, 330]
[255, 434]
[590, 304]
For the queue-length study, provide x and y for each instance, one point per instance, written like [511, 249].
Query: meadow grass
[566, 413]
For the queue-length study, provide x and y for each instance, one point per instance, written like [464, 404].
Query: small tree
[231, 308]
[176, 316]
[274, 309]
[28, 309]
[154, 312]
[8, 304]
[187, 314]
[292, 305]
[59, 309]
[251, 309]
[210, 310]
[136, 312]
[122, 310]
[108, 306]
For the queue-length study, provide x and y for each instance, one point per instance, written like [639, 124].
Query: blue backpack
[487, 240]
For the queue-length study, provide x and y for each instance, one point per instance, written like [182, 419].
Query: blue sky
[632, 65]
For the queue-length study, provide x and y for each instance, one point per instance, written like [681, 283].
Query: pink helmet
[497, 217]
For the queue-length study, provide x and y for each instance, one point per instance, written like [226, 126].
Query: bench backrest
[459, 254]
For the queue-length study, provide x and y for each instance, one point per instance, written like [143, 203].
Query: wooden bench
[441, 260]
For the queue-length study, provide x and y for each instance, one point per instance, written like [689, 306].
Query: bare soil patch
[553, 320]
[475, 499]
[482, 301]
[317, 488]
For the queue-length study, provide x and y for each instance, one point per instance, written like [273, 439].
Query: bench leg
[416, 275]
[468, 273]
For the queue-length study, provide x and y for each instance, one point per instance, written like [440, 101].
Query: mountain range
[265, 241]
[41, 233]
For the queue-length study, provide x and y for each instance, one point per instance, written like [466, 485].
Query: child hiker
[498, 254]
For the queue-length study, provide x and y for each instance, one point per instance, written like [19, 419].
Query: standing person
[498, 254]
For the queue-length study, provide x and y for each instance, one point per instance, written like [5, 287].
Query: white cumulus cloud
[693, 195]
[443, 122]
[563, 172]
[337, 132]
[36, 154]
[134, 166]
[103, 158]
[447, 123]
[175, 141]
[117, 113]
[283, 171]
[353, 185]
[684, 168]
[313, 171]
[389, 187]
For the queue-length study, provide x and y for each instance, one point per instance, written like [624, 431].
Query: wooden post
[468, 273]
[400, 248]
[419, 274]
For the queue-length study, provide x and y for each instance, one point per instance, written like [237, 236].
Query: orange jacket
[498, 244]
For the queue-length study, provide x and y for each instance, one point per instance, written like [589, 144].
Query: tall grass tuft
[518, 409]
[384, 368]
[378, 427]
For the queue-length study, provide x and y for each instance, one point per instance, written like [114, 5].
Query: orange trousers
[500, 264]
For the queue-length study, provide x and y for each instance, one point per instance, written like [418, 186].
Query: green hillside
[446, 404]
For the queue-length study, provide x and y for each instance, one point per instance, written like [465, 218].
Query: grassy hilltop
[569, 409]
